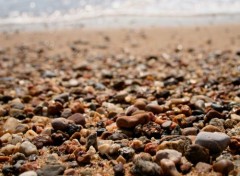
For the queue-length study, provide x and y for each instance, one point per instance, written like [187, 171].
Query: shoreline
[125, 21]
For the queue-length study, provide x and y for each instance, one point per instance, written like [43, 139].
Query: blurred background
[82, 12]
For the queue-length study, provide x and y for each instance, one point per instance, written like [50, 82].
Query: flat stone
[216, 142]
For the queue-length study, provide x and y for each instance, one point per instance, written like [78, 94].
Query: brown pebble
[154, 108]
[223, 166]
[211, 128]
[4, 158]
[78, 119]
[77, 107]
[140, 104]
[132, 121]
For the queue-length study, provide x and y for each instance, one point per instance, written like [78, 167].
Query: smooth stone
[61, 124]
[28, 173]
[10, 124]
[134, 120]
[6, 138]
[235, 117]
[146, 168]
[189, 131]
[211, 128]
[104, 149]
[169, 167]
[170, 154]
[213, 114]
[216, 142]
[154, 108]
[223, 166]
[27, 148]
[196, 153]
[78, 119]
[55, 169]
[203, 167]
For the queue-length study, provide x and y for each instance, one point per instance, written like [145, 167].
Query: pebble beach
[139, 101]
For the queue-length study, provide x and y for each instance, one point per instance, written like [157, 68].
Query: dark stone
[196, 153]
[92, 141]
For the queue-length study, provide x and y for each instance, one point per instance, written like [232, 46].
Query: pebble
[119, 170]
[223, 166]
[78, 119]
[216, 142]
[203, 167]
[235, 144]
[132, 121]
[180, 145]
[11, 124]
[92, 141]
[213, 114]
[83, 158]
[77, 107]
[55, 169]
[104, 149]
[127, 152]
[61, 124]
[8, 149]
[235, 117]
[196, 153]
[169, 168]
[146, 168]
[28, 173]
[27, 148]
[170, 154]
[154, 108]
[189, 131]
[211, 128]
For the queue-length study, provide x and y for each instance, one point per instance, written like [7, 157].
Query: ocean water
[27, 12]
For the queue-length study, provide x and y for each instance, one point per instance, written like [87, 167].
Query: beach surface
[108, 101]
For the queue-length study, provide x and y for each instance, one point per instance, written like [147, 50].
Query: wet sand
[109, 101]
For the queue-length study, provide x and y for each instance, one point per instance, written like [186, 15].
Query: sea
[95, 13]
